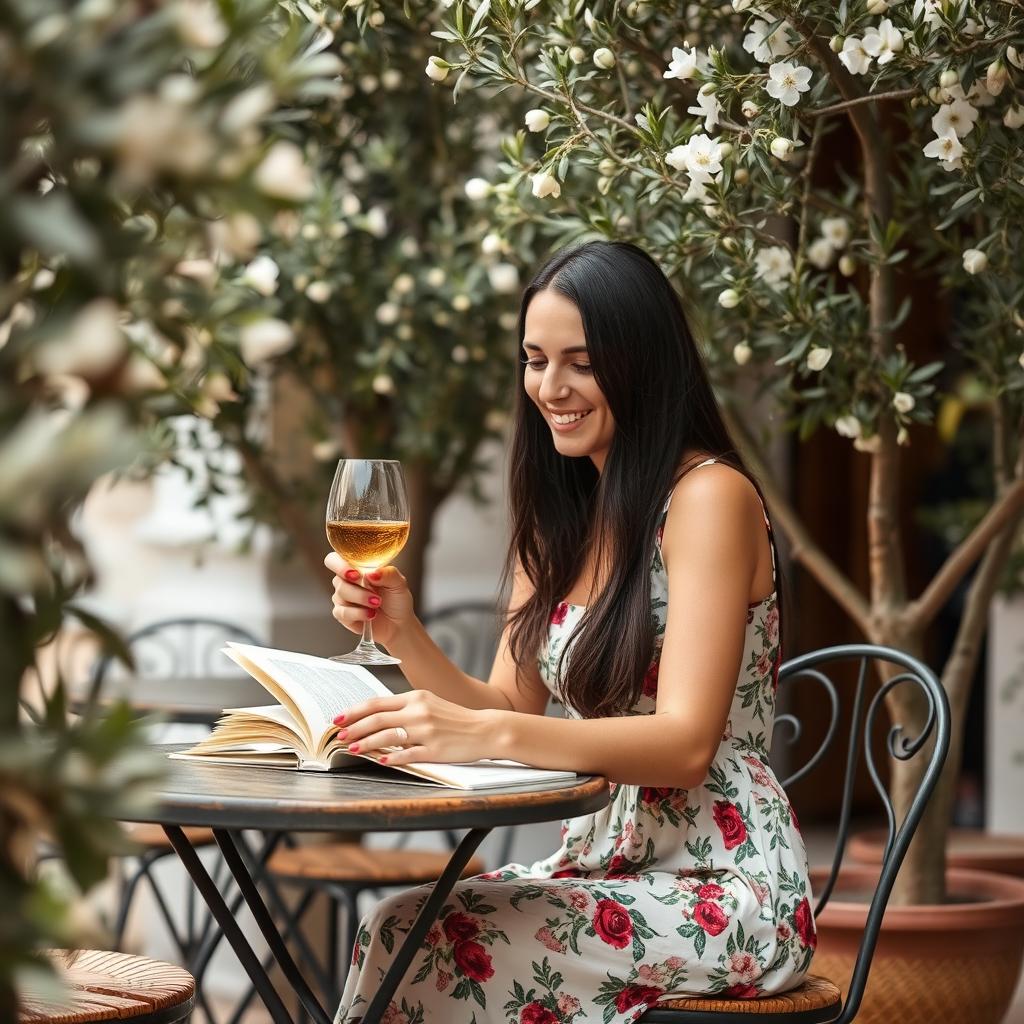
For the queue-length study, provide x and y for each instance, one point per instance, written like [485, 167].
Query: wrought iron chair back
[899, 745]
[185, 647]
[467, 633]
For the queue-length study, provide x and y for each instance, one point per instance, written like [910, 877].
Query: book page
[316, 688]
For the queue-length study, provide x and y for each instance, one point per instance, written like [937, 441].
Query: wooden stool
[112, 986]
[816, 1001]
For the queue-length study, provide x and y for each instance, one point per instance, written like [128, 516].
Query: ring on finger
[403, 736]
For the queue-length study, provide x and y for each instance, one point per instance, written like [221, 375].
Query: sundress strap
[764, 512]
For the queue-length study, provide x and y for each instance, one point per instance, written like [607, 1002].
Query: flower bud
[835, 44]
[607, 167]
[537, 120]
[742, 353]
[725, 149]
[577, 54]
[996, 77]
[729, 299]
[437, 69]
[877, 7]
[603, 185]
[604, 58]
[975, 261]
[949, 78]
[1014, 117]
[742, 176]
[750, 109]
[847, 266]
[782, 148]
[818, 357]
[903, 402]
[477, 188]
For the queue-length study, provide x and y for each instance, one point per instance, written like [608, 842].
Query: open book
[299, 731]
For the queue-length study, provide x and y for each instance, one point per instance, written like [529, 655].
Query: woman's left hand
[436, 729]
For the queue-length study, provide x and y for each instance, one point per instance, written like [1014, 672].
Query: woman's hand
[435, 728]
[388, 605]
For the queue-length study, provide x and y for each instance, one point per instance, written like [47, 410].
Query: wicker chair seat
[112, 986]
[816, 999]
[350, 862]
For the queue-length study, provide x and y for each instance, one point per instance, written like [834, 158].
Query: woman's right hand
[384, 599]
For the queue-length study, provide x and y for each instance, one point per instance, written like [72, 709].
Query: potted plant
[709, 135]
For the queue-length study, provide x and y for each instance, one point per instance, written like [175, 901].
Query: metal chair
[467, 633]
[179, 648]
[818, 1000]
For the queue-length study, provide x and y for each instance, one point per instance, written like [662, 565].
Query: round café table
[228, 799]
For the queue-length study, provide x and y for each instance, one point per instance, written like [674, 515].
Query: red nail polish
[342, 733]
[351, 574]
[383, 760]
[338, 719]
[354, 747]
[374, 601]
[375, 575]
[372, 613]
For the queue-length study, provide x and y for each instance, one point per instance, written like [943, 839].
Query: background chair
[467, 633]
[818, 999]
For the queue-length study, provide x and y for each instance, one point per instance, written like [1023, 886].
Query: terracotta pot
[969, 848]
[957, 962]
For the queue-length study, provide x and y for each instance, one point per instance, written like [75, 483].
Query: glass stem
[367, 638]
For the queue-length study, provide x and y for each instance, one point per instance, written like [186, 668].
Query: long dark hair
[650, 372]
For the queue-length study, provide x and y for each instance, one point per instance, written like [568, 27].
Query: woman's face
[559, 380]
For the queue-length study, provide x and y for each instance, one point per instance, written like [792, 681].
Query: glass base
[366, 654]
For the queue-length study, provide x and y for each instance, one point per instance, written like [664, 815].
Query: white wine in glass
[368, 524]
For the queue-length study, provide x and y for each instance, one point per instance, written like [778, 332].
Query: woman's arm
[710, 547]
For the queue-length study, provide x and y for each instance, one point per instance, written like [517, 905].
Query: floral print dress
[663, 892]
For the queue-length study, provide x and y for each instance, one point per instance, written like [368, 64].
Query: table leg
[426, 917]
[229, 926]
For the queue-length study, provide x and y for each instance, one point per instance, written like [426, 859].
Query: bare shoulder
[712, 504]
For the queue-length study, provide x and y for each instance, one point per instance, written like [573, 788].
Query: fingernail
[354, 747]
[383, 760]
[351, 574]
[374, 601]
[372, 613]
[338, 719]
[375, 575]
[342, 733]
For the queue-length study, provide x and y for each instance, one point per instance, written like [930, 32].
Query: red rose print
[473, 960]
[567, 873]
[710, 891]
[741, 991]
[460, 926]
[612, 923]
[792, 814]
[651, 681]
[620, 866]
[655, 794]
[775, 672]
[433, 936]
[633, 995]
[443, 980]
[803, 919]
[534, 1013]
[727, 818]
[711, 917]
[559, 614]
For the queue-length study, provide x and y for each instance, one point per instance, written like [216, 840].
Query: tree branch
[835, 108]
[802, 546]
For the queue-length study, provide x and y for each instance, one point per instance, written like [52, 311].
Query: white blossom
[545, 184]
[90, 346]
[701, 158]
[854, 56]
[902, 436]
[837, 231]
[929, 11]
[461, 302]
[477, 188]
[948, 149]
[883, 42]
[729, 299]
[847, 266]
[537, 120]
[435, 277]
[903, 402]
[766, 45]
[504, 278]
[261, 275]
[821, 253]
[437, 69]
[782, 148]
[248, 108]
[391, 79]
[377, 221]
[786, 81]
[708, 106]
[1014, 117]
[957, 118]
[848, 426]
[350, 204]
[318, 291]
[200, 24]
[201, 269]
[975, 261]
[773, 265]
[742, 353]
[684, 63]
[818, 357]
[383, 384]
[264, 339]
[739, 6]
[387, 313]
[283, 173]
[403, 284]
[604, 58]
[750, 109]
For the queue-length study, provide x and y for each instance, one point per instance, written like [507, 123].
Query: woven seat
[153, 836]
[817, 999]
[350, 862]
[112, 986]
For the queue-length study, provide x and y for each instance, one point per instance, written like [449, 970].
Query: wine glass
[368, 524]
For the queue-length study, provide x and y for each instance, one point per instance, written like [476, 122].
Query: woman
[644, 596]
